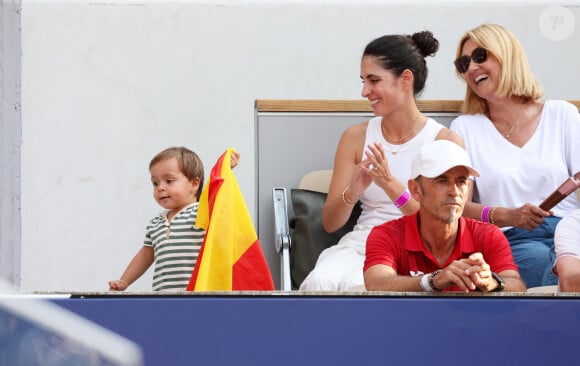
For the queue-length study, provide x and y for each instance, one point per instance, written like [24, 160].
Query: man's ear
[415, 189]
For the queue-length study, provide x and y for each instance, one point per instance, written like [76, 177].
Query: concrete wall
[10, 141]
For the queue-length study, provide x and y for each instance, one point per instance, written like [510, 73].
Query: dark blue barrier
[282, 329]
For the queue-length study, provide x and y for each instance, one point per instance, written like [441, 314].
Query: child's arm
[138, 265]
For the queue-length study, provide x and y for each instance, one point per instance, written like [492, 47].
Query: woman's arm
[345, 178]
[569, 273]
[351, 177]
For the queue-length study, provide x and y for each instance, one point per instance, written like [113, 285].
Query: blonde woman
[524, 147]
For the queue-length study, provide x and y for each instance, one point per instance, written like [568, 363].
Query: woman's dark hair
[397, 53]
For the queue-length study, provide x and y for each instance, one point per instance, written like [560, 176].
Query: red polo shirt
[398, 245]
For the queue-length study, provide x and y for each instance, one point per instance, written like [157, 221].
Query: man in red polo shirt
[436, 249]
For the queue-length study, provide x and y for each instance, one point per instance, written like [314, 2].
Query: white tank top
[377, 207]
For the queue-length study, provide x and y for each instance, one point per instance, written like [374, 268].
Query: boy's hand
[234, 159]
[118, 285]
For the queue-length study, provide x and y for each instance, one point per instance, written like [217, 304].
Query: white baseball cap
[437, 157]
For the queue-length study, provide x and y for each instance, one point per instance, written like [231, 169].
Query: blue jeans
[534, 253]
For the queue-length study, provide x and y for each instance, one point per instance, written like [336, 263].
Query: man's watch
[500, 282]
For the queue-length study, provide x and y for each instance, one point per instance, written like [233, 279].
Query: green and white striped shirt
[176, 245]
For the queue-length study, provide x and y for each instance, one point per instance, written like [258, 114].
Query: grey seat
[301, 238]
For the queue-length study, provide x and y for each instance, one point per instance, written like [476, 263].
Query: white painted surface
[10, 133]
[107, 84]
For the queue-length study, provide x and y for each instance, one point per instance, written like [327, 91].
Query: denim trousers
[534, 253]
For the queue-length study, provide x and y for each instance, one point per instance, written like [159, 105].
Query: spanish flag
[230, 257]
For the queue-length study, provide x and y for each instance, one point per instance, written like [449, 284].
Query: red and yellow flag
[231, 257]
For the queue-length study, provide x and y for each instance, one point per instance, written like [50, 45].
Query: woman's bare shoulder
[356, 130]
[447, 134]
[352, 142]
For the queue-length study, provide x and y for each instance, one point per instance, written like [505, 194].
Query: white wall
[107, 84]
[10, 133]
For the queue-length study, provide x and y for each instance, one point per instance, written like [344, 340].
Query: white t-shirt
[512, 176]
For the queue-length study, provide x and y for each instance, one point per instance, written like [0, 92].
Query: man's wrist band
[403, 198]
[432, 278]
[426, 282]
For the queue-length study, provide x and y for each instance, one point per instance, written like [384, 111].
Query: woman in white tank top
[373, 158]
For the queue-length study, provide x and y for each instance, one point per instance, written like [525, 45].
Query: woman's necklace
[403, 139]
[509, 133]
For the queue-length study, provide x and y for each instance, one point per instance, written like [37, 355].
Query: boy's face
[171, 188]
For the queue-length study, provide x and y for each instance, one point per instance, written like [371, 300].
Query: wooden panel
[324, 106]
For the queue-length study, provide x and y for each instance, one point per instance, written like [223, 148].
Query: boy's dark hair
[188, 162]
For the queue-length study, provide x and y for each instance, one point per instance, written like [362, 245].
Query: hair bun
[426, 43]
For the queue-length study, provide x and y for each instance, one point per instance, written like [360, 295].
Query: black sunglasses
[479, 56]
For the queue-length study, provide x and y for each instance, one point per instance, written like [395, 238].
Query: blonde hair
[515, 76]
